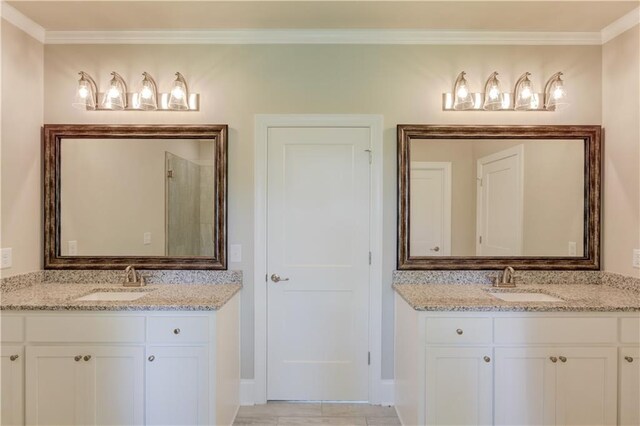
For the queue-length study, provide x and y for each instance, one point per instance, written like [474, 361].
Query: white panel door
[459, 388]
[12, 384]
[500, 203]
[116, 380]
[525, 386]
[56, 385]
[586, 386]
[629, 362]
[177, 385]
[318, 243]
[430, 209]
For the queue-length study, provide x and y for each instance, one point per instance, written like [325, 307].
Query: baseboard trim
[246, 392]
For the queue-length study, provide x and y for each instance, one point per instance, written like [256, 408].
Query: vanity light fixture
[523, 97]
[116, 97]
[87, 93]
[555, 96]
[147, 98]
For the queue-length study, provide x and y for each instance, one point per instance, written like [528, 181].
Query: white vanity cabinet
[122, 368]
[506, 368]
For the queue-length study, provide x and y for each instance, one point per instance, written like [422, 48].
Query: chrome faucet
[507, 280]
[131, 278]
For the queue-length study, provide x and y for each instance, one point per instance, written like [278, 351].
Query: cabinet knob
[87, 357]
[77, 358]
[176, 331]
[563, 359]
[151, 358]
[487, 359]
[553, 359]
[459, 331]
[627, 358]
[14, 357]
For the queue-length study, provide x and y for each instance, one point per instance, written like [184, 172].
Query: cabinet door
[525, 388]
[586, 386]
[116, 381]
[56, 385]
[177, 385]
[629, 363]
[12, 381]
[459, 386]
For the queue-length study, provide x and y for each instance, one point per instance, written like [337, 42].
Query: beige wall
[621, 119]
[553, 191]
[404, 83]
[20, 170]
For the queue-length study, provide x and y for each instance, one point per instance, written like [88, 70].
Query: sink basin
[112, 296]
[525, 297]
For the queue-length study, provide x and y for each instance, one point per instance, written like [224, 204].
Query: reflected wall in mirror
[151, 196]
[491, 196]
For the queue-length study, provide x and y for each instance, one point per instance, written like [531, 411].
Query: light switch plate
[6, 258]
[636, 258]
[73, 248]
[235, 253]
[572, 248]
[146, 238]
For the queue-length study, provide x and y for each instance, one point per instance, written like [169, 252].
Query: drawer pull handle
[459, 331]
[487, 359]
[563, 359]
[87, 357]
[151, 358]
[627, 358]
[553, 359]
[176, 331]
[14, 357]
[77, 358]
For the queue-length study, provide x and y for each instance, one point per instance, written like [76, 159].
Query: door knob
[77, 358]
[628, 359]
[276, 278]
[436, 248]
[87, 357]
[553, 359]
[563, 359]
[14, 357]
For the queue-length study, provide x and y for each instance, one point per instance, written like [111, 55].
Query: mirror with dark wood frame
[486, 197]
[151, 196]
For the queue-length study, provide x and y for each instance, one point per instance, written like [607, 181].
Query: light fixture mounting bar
[163, 101]
[507, 105]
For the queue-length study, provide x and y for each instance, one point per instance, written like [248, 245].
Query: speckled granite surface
[476, 297]
[159, 297]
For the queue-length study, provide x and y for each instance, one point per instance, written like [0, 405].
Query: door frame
[445, 166]
[263, 122]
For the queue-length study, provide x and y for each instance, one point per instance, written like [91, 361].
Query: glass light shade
[493, 97]
[462, 97]
[555, 95]
[179, 96]
[116, 96]
[86, 93]
[523, 93]
[148, 94]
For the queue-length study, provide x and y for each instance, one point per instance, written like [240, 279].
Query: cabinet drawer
[459, 330]
[560, 330]
[178, 329]
[80, 328]
[629, 330]
[12, 328]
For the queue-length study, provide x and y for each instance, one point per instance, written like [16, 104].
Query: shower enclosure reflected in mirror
[151, 196]
[480, 197]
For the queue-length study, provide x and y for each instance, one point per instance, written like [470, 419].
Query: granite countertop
[476, 297]
[53, 296]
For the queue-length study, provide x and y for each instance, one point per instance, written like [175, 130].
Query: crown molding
[13, 16]
[324, 37]
[621, 25]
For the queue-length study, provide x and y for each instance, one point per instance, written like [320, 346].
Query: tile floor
[287, 413]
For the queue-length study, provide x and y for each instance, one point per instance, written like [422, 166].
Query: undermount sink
[524, 297]
[112, 296]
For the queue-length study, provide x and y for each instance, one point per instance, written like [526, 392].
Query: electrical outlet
[235, 253]
[636, 258]
[146, 238]
[6, 258]
[572, 248]
[73, 248]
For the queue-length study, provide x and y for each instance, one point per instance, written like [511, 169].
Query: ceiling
[561, 16]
